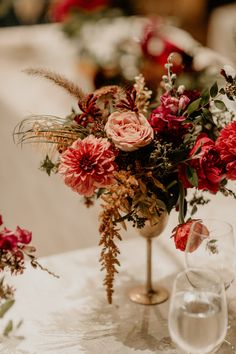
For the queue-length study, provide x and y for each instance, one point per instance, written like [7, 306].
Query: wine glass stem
[149, 288]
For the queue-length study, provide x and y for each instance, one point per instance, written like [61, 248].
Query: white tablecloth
[70, 315]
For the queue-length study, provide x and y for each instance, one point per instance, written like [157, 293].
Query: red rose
[207, 163]
[181, 234]
[226, 145]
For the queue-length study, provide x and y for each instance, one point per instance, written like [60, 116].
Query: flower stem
[181, 203]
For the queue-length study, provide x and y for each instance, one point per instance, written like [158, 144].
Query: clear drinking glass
[211, 245]
[198, 314]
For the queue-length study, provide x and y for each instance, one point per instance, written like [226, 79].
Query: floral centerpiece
[140, 155]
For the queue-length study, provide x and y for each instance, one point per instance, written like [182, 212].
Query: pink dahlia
[226, 145]
[88, 164]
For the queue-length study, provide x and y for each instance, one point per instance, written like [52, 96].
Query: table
[70, 315]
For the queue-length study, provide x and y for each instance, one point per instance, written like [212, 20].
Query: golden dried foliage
[143, 94]
[59, 80]
[115, 200]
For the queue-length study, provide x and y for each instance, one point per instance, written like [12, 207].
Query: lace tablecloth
[70, 315]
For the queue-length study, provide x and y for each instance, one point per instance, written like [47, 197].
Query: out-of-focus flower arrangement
[15, 249]
[74, 13]
[140, 155]
[130, 45]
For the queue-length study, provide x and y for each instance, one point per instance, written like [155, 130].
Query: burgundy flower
[88, 164]
[167, 119]
[62, 8]
[23, 236]
[226, 145]
[8, 241]
[1, 222]
[207, 163]
[182, 231]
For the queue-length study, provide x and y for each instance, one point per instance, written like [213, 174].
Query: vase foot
[140, 295]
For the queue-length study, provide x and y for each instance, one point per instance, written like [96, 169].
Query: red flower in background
[157, 47]
[206, 162]
[226, 145]
[62, 8]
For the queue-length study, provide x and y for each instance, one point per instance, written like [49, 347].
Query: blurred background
[93, 43]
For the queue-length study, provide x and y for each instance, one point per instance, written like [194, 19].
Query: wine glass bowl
[211, 245]
[198, 311]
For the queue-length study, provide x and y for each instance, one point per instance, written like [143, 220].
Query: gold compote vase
[147, 294]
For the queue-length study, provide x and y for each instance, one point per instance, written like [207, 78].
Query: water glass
[198, 314]
[211, 245]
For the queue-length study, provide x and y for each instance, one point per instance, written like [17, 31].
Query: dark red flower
[8, 241]
[1, 222]
[23, 236]
[182, 231]
[226, 145]
[207, 163]
[167, 121]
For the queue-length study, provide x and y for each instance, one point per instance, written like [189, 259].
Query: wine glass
[198, 311]
[211, 245]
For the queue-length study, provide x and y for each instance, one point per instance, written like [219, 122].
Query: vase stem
[149, 266]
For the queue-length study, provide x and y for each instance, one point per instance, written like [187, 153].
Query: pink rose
[226, 145]
[207, 163]
[181, 234]
[129, 131]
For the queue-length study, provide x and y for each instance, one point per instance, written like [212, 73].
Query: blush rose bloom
[207, 163]
[226, 145]
[129, 131]
[88, 164]
[181, 235]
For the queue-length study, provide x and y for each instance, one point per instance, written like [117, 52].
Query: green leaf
[207, 114]
[220, 105]
[193, 106]
[194, 210]
[192, 176]
[8, 328]
[222, 91]
[205, 96]
[5, 307]
[214, 90]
